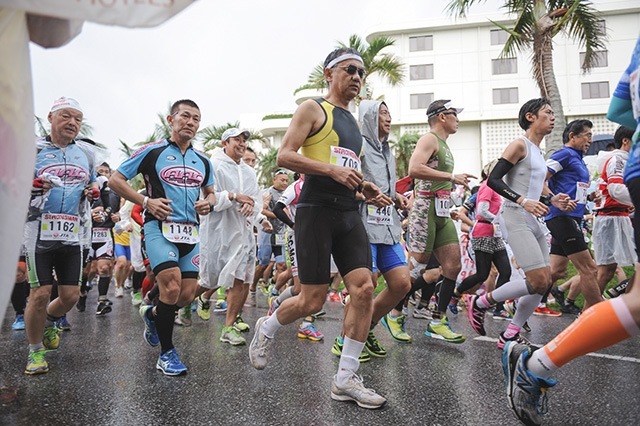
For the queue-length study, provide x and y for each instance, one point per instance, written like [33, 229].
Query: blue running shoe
[526, 392]
[18, 324]
[150, 332]
[453, 305]
[63, 324]
[169, 363]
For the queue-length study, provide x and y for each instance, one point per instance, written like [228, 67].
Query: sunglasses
[352, 69]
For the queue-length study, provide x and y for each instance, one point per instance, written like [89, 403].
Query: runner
[612, 236]
[524, 170]
[228, 249]
[568, 173]
[431, 229]
[104, 217]
[383, 224]
[327, 221]
[174, 174]
[63, 169]
[528, 375]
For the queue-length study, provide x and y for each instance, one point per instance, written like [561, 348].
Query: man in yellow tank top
[328, 222]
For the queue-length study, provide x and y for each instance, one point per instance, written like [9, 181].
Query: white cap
[63, 102]
[233, 132]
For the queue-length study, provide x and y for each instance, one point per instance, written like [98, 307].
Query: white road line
[595, 355]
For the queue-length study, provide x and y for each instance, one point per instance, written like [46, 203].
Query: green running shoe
[240, 325]
[336, 349]
[50, 338]
[442, 331]
[374, 347]
[396, 328]
[37, 364]
[232, 336]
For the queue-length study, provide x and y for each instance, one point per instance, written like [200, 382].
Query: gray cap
[233, 132]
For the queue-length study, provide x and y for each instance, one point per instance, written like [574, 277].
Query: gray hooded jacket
[379, 167]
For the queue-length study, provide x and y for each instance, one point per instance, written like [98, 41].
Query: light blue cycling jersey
[170, 174]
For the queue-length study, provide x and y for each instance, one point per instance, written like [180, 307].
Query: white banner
[127, 13]
[17, 148]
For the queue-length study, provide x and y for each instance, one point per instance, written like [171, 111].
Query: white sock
[348, 360]
[511, 290]
[526, 305]
[270, 326]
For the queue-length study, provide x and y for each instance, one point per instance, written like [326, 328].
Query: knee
[540, 285]
[452, 269]
[171, 292]
[558, 275]
[312, 305]
[39, 299]
[362, 292]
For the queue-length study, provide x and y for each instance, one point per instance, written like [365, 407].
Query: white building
[454, 59]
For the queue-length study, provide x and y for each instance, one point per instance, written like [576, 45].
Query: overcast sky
[245, 56]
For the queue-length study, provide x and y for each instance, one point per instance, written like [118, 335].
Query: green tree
[536, 23]
[385, 65]
[266, 166]
[403, 150]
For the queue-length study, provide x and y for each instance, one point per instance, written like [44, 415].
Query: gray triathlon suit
[525, 233]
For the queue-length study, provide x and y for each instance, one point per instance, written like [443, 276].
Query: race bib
[634, 88]
[278, 239]
[59, 227]
[497, 232]
[443, 203]
[100, 235]
[344, 157]
[582, 189]
[379, 215]
[180, 232]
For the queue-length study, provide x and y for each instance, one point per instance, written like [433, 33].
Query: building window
[602, 26]
[508, 95]
[595, 90]
[600, 58]
[499, 37]
[421, 100]
[421, 72]
[504, 66]
[420, 43]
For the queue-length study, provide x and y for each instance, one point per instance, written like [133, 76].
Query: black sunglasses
[352, 69]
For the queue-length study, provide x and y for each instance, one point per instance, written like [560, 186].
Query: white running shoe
[354, 390]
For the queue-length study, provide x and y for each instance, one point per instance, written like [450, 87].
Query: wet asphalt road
[104, 374]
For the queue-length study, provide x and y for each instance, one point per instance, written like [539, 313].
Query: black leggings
[19, 297]
[483, 268]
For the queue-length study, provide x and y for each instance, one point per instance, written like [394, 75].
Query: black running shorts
[323, 231]
[567, 237]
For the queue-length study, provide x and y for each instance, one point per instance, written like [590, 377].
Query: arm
[426, 147]
[308, 118]
[158, 207]
[279, 212]
[207, 204]
[136, 214]
[615, 184]
[483, 211]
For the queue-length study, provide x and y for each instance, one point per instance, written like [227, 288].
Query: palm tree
[211, 136]
[403, 150]
[266, 166]
[385, 65]
[536, 23]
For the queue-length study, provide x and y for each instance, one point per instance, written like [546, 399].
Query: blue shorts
[386, 257]
[121, 250]
[266, 250]
[164, 254]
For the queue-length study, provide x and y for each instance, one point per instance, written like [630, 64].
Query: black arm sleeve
[495, 182]
[278, 210]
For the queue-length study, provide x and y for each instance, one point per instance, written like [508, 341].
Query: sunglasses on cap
[352, 69]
